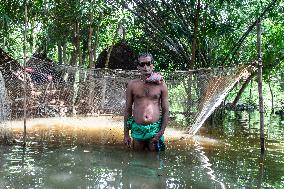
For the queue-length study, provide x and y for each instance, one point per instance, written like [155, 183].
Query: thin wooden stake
[25, 76]
[261, 107]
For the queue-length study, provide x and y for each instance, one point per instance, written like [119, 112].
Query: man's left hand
[156, 138]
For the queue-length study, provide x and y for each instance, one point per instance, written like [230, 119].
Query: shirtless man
[147, 108]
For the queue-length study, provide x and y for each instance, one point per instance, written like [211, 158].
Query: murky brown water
[88, 153]
[89, 131]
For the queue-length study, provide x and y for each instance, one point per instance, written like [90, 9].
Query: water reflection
[103, 167]
[113, 167]
[185, 164]
[261, 170]
[206, 164]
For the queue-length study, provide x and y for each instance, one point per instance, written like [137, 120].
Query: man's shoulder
[133, 81]
[163, 85]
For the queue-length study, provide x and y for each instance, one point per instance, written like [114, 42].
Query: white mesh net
[63, 91]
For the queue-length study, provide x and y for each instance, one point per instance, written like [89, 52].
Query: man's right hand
[127, 140]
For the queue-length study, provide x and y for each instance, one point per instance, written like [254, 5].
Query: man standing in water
[149, 116]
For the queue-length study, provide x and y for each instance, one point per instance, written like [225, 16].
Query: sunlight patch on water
[92, 130]
[61, 177]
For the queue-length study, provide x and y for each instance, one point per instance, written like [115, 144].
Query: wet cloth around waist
[143, 132]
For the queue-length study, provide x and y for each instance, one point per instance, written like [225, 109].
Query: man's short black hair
[145, 55]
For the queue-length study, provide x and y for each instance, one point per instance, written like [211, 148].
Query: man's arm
[165, 110]
[128, 112]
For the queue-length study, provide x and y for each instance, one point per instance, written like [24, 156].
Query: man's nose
[146, 66]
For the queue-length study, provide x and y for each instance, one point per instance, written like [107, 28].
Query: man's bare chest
[145, 90]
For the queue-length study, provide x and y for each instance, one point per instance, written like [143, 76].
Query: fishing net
[80, 91]
[60, 91]
[4, 106]
[216, 91]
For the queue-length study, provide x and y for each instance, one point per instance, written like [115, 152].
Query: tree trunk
[261, 107]
[109, 50]
[90, 35]
[59, 52]
[282, 81]
[272, 96]
[31, 41]
[123, 33]
[80, 56]
[92, 65]
[96, 41]
[75, 53]
[238, 96]
[73, 62]
[64, 53]
[192, 62]
[111, 47]
[84, 55]
[194, 38]
[236, 47]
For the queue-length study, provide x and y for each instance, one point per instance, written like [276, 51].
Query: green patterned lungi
[142, 132]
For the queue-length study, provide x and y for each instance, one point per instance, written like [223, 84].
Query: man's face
[145, 65]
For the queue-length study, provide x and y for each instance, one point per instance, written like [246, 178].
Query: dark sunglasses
[142, 64]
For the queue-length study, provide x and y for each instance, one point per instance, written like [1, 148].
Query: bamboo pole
[261, 107]
[25, 75]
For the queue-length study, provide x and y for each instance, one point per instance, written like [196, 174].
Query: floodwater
[88, 153]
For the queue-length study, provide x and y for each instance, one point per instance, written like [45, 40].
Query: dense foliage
[181, 34]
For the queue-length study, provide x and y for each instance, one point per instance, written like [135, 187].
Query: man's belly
[146, 114]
